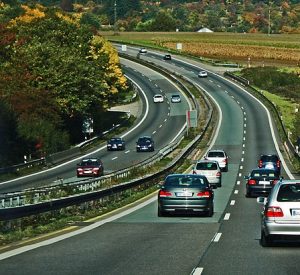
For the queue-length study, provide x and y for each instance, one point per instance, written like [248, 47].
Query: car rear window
[260, 174]
[189, 181]
[289, 192]
[269, 158]
[216, 154]
[206, 166]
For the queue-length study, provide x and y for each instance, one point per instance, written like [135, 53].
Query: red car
[90, 167]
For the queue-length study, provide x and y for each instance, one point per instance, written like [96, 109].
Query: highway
[161, 121]
[138, 242]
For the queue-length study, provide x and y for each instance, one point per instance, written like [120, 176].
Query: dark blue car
[115, 143]
[145, 144]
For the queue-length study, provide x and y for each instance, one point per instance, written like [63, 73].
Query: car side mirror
[261, 200]
[246, 177]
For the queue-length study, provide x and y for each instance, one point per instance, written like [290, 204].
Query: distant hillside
[169, 15]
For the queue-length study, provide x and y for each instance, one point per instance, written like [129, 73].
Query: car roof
[158, 95]
[175, 95]
[206, 160]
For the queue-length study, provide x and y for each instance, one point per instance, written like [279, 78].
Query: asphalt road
[162, 121]
[141, 243]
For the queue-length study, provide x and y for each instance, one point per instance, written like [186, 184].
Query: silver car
[211, 170]
[281, 214]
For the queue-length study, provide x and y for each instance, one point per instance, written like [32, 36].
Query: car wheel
[226, 169]
[265, 240]
[219, 184]
[248, 194]
[159, 212]
[210, 212]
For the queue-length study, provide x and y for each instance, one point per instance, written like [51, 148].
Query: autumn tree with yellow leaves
[60, 60]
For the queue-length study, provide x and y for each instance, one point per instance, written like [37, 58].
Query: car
[175, 98]
[115, 143]
[211, 170]
[167, 57]
[142, 50]
[145, 144]
[185, 193]
[202, 74]
[220, 156]
[280, 218]
[270, 161]
[158, 98]
[260, 181]
[90, 167]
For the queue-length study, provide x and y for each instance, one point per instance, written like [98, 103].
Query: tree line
[55, 72]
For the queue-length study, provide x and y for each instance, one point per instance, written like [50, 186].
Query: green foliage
[54, 70]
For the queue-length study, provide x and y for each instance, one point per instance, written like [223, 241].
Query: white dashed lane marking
[227, 216]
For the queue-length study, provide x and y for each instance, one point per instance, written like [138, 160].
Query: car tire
[210, 212]
[265, 240]
[226, 169]
[219, 184]
[248, 194]
[159, 212]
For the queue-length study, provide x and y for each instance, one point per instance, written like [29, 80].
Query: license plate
[184, 194]
[296, 212]
[87, 172]
[263, 182]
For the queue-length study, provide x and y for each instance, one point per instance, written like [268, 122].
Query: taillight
[273, 212]
[96, 169]
[218, 174]
[278, 163]
[251, 182]
[260, 164]
[79, 169]
[225, 160]
[275, 181]
[204, 194]
[163, 193]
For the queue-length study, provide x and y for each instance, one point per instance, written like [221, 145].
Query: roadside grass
[286, 108]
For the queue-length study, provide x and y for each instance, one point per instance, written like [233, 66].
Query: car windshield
[216, 154]
[206, 166]
[115, 140]
[89, 162]
[289, 192]
[188, 181]
[144, 140]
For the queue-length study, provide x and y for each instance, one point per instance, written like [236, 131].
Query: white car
[202, 74]
[220, 156]
[158, 98]
[175, 99]
[143, 50]
[211, 170]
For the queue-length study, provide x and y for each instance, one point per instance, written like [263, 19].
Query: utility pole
[115, 17]
[269, 25]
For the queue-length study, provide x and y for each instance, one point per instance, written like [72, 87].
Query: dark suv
[145, 143]
[270, 162]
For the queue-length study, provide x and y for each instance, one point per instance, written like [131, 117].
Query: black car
[145, 143]
[270, 162]
[115, 143]
[167, 57]
[90, 167]
[185, 193]
[261, 181]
